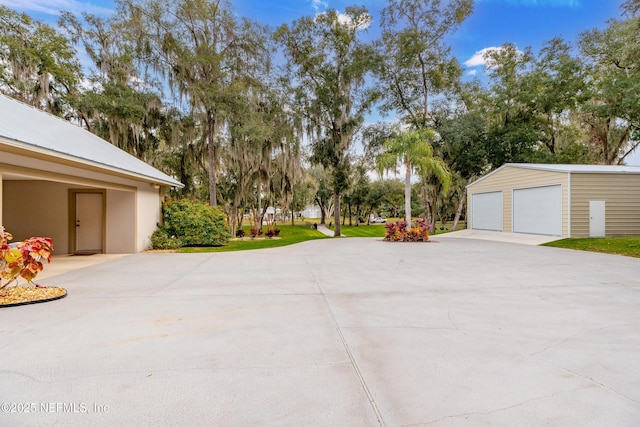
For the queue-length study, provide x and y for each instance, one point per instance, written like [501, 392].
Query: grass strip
[289, 235]
[627, 246]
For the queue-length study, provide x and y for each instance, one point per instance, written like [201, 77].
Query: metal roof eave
[561, 168]
[53, 155]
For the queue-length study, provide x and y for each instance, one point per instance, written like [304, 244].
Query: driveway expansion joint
[345, 345]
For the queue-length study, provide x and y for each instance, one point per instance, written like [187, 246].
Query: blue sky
[493, 22]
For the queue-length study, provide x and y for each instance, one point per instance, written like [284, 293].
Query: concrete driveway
[336, 332]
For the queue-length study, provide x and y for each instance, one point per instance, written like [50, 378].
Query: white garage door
[538, 210]
[486, 211]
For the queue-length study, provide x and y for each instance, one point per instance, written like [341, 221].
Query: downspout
[569, 207]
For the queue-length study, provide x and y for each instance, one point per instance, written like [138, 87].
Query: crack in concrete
[426, 328]
[145, 373]
[456, 327]
[20, 374]
[585, 377]
[581, 333]
[506, 408]
[343, 340]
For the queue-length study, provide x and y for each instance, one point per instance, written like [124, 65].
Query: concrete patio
[349, 332]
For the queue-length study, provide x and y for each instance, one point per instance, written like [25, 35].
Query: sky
[525, 23]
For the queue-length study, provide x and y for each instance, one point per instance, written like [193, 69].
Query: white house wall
[121, 222]
[135, 210]
[37, 208]
[148, 213]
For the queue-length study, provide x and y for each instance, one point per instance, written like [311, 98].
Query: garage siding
[510, 178]
[621, 193]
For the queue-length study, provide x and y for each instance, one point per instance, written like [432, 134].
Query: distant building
[312, 212]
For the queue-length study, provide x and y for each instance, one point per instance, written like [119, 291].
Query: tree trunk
[605, 143]
[213, 196]
[461, 202]
[336, 213]
[322, 212]
[427, 205]
[233, 220]
[434, 205]
[210, 135]
[407, 196]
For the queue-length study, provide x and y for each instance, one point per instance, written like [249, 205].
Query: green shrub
[191, 223]
[161, 240]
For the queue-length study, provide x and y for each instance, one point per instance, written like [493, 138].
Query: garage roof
[567, 169]
[26, 127]
[578, 168]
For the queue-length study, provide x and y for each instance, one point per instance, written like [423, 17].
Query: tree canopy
[247, 116]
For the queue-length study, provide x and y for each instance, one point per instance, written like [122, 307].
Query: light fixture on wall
[156, 186]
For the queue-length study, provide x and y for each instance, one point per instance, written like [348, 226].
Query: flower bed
[20, 295]
[24, 260]
[398, 232]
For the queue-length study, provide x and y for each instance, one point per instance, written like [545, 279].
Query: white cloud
[472, 72]
[348, 22]
[478, 58]
[53, 7]
[319, 4]
[481, 57]
[536, 3]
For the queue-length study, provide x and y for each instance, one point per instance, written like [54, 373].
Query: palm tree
[413, 150]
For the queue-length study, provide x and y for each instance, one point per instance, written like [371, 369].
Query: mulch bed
[22, 295]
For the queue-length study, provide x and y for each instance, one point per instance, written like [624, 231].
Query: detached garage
[557, 200]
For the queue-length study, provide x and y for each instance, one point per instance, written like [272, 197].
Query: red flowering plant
[398, 231]
[25, 260]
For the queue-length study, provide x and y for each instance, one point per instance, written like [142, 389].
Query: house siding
[510, 178]
[37, 208]
[621, 193]
[132, 207]
[120, 222]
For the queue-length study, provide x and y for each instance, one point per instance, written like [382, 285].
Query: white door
[538, 210]
[596, 218]
[486, 211]
[89, 220]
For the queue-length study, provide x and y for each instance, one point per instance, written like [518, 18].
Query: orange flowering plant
[25, 260]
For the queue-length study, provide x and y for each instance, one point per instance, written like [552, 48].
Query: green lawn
[288, 236]
[363, 230]
[377, 230]
[628, 246]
